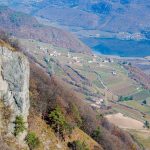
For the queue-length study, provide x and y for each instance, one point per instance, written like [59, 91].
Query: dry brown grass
[49, 139]
[5, 114]
[78, 134]
[4, 44]
[44, 133]
[7, 142]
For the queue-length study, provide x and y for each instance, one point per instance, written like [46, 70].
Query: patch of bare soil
[125, 122]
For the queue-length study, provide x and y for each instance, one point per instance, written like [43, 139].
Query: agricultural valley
[101, 81]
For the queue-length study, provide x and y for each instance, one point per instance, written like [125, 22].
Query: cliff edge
[14, 89]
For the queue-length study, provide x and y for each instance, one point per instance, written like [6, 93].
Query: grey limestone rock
[14, 85]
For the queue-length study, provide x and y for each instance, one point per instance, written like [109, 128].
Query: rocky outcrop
[14, 86]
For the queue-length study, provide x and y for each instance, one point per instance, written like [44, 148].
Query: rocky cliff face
[14, 86]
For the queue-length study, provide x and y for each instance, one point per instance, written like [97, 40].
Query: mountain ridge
[107, 12]
[22, 25]
[92, 20]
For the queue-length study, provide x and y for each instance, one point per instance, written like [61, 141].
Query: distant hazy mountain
[92, 19]
[107, 15]
[22, 25]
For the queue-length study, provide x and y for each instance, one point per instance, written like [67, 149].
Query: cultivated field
[135, 127]
[125, 122]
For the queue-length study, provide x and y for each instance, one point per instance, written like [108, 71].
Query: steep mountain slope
[14, 102]
[50, 92]
[22, 25]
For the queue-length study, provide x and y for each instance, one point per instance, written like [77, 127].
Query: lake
[123, 48]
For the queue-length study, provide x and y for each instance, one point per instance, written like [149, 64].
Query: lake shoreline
[121, 48]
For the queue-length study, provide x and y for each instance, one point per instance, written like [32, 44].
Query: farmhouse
[99, 102]
[69, 55]
[114, 73]
[55, 54]
[105, 61]
[90, 61]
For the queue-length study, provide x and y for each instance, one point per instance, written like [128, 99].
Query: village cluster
[71, 59]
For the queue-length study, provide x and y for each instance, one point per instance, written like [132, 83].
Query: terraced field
[136, 128]
[142, 137]
[100, 72]
[141, 95]
[137, 105]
